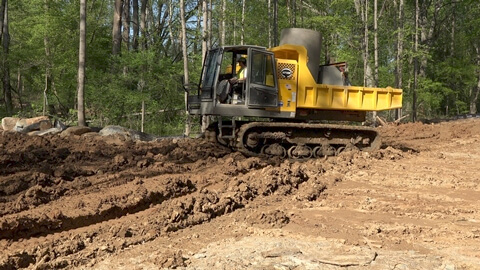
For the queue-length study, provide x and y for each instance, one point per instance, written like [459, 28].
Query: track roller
[300, 152]
[274, 150]
[325, 150]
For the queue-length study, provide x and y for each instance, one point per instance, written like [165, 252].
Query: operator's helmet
[242, 60]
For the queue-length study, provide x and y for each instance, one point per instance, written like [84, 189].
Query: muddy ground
[95, 202]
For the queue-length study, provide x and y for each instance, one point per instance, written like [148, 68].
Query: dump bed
[334, 97]
[301, 87]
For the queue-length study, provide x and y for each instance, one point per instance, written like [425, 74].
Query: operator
[238, 81]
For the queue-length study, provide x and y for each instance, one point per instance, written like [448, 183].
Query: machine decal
[287, 73]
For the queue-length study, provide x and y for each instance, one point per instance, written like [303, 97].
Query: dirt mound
[108, 202]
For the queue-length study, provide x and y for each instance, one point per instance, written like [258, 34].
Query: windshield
[210, 69]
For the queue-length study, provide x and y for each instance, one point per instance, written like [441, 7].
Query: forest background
[139, 53]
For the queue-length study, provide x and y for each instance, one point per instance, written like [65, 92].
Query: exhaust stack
[311, 40]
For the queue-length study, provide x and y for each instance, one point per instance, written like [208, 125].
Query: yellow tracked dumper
[285, 103]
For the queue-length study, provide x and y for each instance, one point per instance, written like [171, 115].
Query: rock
[111, 130]
[76, 130]
[60, 125]
[8, 123]
[52, 131]
[44, 124]
[27, 125]
[127, 133]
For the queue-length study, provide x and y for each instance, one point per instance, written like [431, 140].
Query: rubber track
[375, 145]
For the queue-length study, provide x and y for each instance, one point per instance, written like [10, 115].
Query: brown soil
[107, 203]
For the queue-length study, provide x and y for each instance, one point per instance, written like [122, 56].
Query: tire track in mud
[72, 165]
[74, 213]
[211, 195]
[108, 214]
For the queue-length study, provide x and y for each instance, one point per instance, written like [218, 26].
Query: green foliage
[430, 96]
[44, 52]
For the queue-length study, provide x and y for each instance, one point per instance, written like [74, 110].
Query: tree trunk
[269, 13]
[415, 64]
[185, 61]
[117, 27]
[46, 44]
[20, 88]
[135, 25]
[2, 16]
[289, 12]
[426, 31]
[7, 90]
[242, 31]
[198, 27]
[476, 90]
[375, 43]
[205, 46]
[294, 13]
[366, 72]
[205, 28]
[81, 64]
[301, 14]
[275, 23]
[399, 64]
[126, 24]
[222, 35]
[170, 28]
[209, 24]
[452, 34]
[361, 7]
[143, 24]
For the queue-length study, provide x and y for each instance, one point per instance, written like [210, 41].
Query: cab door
[261, 88]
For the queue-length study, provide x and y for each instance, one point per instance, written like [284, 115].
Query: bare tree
[117, 27]
[399, 64]
[2, 16]
[476, 90]
[135, 25]
[415, 63]
[170, 28]
[275, 22]
[81, 63]
[48, 64]
[294, 13]
[222, 35]
[143, 24]
[269, 13]
[198, 27]
[205, 27]
[242, 30]
[205, 46]
[375, 43]
[185, 60]
[209, 24]
[7, 90]
[126, 24]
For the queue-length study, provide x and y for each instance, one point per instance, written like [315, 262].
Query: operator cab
[218, 83]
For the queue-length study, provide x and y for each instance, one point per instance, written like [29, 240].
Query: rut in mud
[68, 202]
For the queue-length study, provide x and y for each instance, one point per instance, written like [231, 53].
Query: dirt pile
[112, 203]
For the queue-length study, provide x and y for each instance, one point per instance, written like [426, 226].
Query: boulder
[52, 131]
[27, 125]
[59, 124]
[8, 123]
[42, 125]
[127, 133]
[76, 130]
